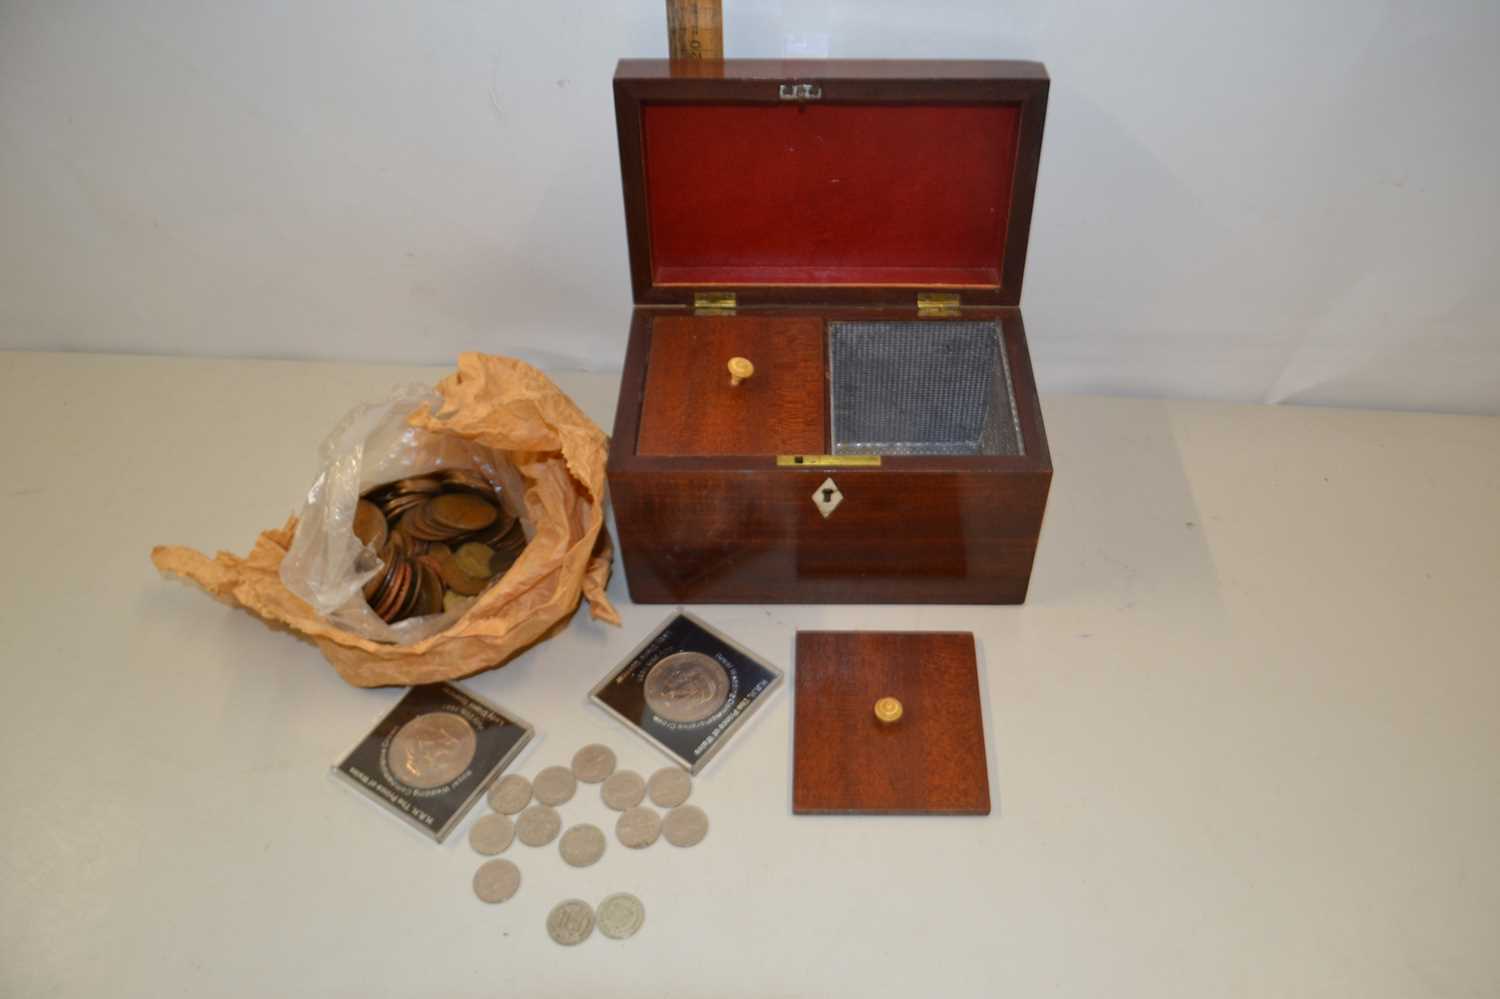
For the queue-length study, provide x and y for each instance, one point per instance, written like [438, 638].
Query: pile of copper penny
[442, 538]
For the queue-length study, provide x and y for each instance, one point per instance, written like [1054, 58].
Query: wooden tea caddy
[765, 199]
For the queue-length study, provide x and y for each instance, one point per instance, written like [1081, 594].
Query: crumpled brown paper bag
[513, 408]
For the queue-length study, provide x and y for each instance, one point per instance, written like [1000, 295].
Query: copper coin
[461, 511]
[503, 525]
[463, 478]
[385, 601]
[512, 540]
[431, 750]
[369, 524]
[396, 592]
[416, 523]
[376, 582]
[394, 508]
[418, 484]
[413, 602]
[406, 579]
[431, 590]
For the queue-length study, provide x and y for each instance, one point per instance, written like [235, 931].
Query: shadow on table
[1122, 529]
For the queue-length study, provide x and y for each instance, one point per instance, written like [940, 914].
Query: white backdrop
[1252, 199]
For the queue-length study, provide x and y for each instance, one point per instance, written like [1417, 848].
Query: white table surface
[1243, 738]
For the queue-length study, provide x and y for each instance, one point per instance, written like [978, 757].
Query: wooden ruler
[695, 29]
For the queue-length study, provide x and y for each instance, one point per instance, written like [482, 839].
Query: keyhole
[827, 495]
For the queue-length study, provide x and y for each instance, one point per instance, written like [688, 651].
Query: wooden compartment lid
[825, 182]
[855, 752]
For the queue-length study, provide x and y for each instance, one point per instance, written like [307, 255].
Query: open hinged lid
[829, 181]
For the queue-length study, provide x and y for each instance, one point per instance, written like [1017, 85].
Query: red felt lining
[832, 194]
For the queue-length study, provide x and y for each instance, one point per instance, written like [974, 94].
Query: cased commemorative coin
[432, 755]
[687, 689]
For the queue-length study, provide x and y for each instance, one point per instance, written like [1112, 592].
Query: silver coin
[593, 763]
[510, 794]
[431, 750]
[623, 790]
[685, 826]
[492, 834]
[570, 922]
[554, 785]
[496, 880]
[669, 787]
[620, 915]
[686, 687]
[638, 827]
[581, 845]
[538, 825]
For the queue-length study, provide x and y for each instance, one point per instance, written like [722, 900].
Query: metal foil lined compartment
[921, 388]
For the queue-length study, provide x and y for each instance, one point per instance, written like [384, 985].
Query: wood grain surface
[739, 529]
[690, 407]
[846, 761]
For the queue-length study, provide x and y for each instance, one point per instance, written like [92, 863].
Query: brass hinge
[713, 303]
[937, 303]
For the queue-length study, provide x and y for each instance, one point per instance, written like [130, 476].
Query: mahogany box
[856, 231]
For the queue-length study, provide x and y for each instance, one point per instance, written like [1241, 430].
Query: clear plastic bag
[328, 565]
[497, 416]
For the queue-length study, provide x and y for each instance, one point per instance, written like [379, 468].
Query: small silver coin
[581, 845]
[431, 750]
[554, 785]
[538, 825]
[669, 787]
[510, 794]
[593, 763]
[620, 915]
[492, 834]
[570, 922]
[638, 827]
[623, 790]
[685, 826]
[496, 880]
[686, 687]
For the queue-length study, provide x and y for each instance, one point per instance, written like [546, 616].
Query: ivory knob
[888, 710]
[740, 368]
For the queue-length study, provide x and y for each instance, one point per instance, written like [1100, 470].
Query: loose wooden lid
[928, 759]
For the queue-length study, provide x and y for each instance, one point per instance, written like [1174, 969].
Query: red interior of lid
[829, 194]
